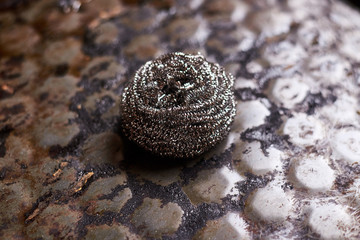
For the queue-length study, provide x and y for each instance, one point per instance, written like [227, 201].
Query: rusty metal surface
[67, 172]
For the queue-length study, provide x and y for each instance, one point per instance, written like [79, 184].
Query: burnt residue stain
[251, 183]
[89, 122]
[41, 203]
[91, 84]
[103, 105]
[92, 48]
[198, 217]
[72, 149]
[314, 101]
[3, 171]
[247, 94]
[267, 133]
[10, 72]
[12, 65]
[7, 92]
[216, 161]
[343, 181]
[265, 76]
[171, 193]
[13, 110]
[4, 133]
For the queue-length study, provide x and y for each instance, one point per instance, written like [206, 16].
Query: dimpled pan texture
[288, 168]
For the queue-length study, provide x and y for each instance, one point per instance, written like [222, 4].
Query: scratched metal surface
[288, 170]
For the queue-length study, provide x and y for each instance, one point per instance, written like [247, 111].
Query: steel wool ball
[178, 105]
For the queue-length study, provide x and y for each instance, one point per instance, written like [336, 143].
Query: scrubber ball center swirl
[178, 105]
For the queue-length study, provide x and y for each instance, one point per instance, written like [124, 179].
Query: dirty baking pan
[288, 168]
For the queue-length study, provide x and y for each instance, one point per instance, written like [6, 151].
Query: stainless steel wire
[178, 105]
